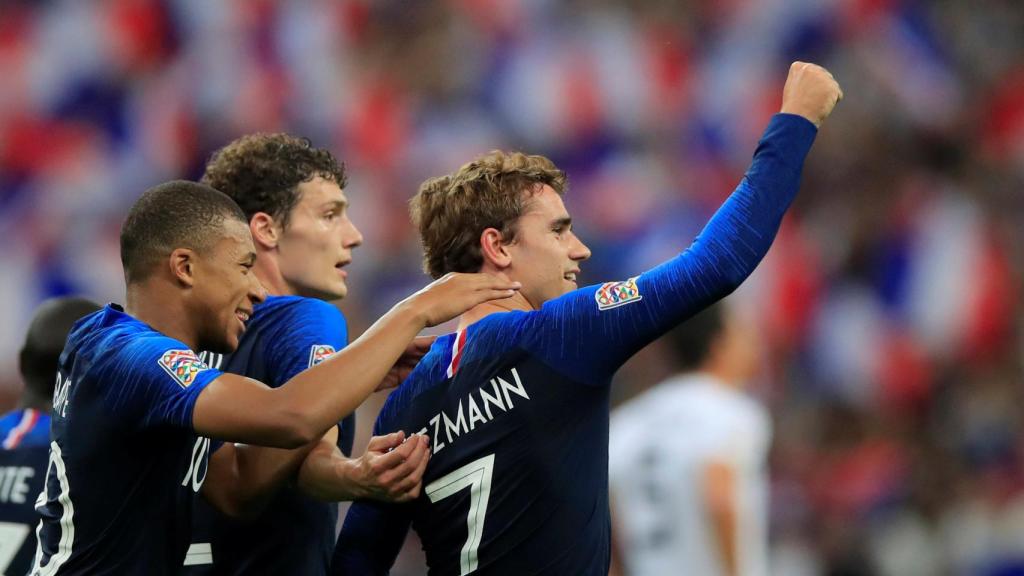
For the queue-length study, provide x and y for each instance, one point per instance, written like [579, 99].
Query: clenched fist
[811, 92]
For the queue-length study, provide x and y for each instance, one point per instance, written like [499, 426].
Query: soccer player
[695, 503]
[134, 407]
[516, 401]
[25, 432]
[293, 195]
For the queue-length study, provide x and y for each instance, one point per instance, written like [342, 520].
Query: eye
[332, 215]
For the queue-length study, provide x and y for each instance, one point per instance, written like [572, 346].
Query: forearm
[629, 315]
[735, 240]
[723, 526]
[329, 476]
[326, 393]
[723, 513]
[242, 478]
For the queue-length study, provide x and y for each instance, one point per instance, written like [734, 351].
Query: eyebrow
[565, 222]
[336, 204]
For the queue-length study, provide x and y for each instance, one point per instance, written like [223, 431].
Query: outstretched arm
[240, 409]
[595, 329]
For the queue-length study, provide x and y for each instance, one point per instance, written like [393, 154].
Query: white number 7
[477, 477]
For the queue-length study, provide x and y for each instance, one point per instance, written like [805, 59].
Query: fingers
[401, 477]
[455, 293]
[420, 345]
[811, 91]
[409, 488]
[385, 443]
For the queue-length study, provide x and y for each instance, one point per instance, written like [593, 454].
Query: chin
[225, 344]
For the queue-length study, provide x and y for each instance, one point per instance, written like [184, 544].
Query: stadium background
[889, 302]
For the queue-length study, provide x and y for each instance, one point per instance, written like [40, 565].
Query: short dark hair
[45, 340]
[262, 172]
[691, 341]
[176, 214]
[492, 191]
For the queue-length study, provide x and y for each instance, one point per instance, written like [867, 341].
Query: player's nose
[352, 236]
[579, 250]
[257, 293]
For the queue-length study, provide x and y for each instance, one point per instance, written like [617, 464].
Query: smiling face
[225, 289]
[316, 243]
[546, 254]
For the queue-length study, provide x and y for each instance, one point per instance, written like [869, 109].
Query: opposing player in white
[687, 459]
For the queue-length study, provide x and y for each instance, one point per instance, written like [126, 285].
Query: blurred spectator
[889, 303]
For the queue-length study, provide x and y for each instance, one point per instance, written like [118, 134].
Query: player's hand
[811, 92]
[455, 293]
[405, 364]
[392, 468]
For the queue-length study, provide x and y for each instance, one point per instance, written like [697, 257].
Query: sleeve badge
[182, 365]
[319, 352]
[614, 294]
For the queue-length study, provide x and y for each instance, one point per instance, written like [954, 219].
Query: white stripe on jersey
[67, 517]
[199, 554]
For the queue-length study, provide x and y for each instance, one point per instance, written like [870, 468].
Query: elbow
[233, 509]
[293, 430]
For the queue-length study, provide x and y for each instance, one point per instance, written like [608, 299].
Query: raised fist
[811, 92]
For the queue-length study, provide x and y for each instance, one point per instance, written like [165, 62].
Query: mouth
[571, 276]
[341, 265]
[243, 316]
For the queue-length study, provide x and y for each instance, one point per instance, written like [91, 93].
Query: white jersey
[659, 443]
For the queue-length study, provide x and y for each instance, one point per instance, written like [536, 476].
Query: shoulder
[299, 321]
[131, 348]
[10, 421]
[429, 372]
[499, 332]
[297, 307]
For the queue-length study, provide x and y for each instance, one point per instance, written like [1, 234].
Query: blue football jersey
[125, 462]
[24, 452]
[295, 534]
[517, 404]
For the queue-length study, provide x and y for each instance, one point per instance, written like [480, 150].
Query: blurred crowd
[891, 298]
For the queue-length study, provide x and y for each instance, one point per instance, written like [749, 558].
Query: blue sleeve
[152, 381]
[589, 333]
[307, 333]
[372, 535]
[370, 539]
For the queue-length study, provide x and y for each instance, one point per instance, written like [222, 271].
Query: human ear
[494, 248]
[264, 229]
[182, 263]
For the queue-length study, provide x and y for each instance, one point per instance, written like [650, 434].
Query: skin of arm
[299, 413]
[617, 566]
[719, 497]
[240, 409]
[390, 470]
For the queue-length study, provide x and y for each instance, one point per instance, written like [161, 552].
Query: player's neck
[269, 275]
[167, 315]
[34, 400]
[516, 302]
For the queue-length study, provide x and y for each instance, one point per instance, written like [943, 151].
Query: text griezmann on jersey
[500, 397]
